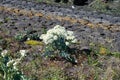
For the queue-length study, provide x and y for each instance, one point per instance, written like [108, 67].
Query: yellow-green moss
[34, 42]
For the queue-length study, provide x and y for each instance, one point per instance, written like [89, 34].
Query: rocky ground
[89, 27]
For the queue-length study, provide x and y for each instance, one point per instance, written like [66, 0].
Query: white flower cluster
[57, 32]
[15, 62]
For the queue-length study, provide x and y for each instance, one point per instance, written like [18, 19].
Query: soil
[20, 16]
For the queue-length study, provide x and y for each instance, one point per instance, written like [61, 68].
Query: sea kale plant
[9, 67]
[27, 35]
[57, 41]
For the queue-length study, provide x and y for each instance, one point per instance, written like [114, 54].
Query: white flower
[28, 38]
[48, 38]
[73, 7]
[10, 63]
[49, 41]
[4, 53]
[74, 41]
[51, 31]
[67, 43]
[23, 52]
[76, 61]
[70, 37]
[58, 32]
[16, 63]
[42, 36]
[15, 67]
[58, 27]
[55, 37]
[70, 33]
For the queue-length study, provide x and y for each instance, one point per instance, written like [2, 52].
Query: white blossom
[49, 41]
[51, 31]
[10, 63]
[57, 32]
[67, 43]
[42, 36]
[55, 37]
[23, 53]
[74, 41]
[59, 27]
[16, 63]
[15, 67]
[70, 37]
[70, 33]
[76, 61]
[28, 38]
[48, 38]
[4, 53]
[73, 7]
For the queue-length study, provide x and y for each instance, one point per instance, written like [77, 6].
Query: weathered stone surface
[88, 30]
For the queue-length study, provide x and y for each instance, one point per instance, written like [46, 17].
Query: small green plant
[116, 54]
[57, 41]
[28, 35]
[92, 61]
[20, 37]
[9, 67]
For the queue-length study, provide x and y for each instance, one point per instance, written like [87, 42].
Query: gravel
[61, 10]
[19, 23]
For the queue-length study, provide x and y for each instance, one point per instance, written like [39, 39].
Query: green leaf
[48, 54]
[68, 57]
